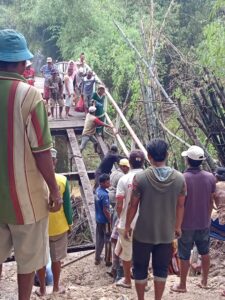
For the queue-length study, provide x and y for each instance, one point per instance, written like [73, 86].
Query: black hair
[157, 149]
[220, 173]
[6, 64]
[114, 148]
[136, 159]
[103, 178]
[82, 53]
[194, 163]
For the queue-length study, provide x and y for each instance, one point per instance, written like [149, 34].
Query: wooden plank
[85, 182]
[104, 148]
[72, 122]
[76, 175]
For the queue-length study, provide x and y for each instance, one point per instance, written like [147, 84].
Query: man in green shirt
[99, 99]
[159, 192]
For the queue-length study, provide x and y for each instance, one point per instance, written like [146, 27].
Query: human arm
[66, 81]
[119, 204]
[67, 207]
[106, 209]
[132, 207]
[100, 123]
[179, 215]
[40, 142]
[211, 205]
[61, 88]
[45, 166]
[180, 209]
[120, 196]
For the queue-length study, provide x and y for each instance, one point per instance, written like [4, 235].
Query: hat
[220, 173]
[53, 152]
[13, 46]
[49, 59]
[124, 162]
[92, 109]
[28, 63]
[101, 86]
[195, 153]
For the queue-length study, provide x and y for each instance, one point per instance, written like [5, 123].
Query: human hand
[178, 233]
[55, 201]
[127, 233]
[70, 229]
[115, 131]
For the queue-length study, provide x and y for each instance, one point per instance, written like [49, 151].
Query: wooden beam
[104, 148]
[76, 175]
[85, 182]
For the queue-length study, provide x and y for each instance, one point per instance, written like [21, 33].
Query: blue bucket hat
[13, 46]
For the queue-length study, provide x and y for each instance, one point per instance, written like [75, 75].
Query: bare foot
[177, 288]
[61, 290]
[40, 293]
[203, 286]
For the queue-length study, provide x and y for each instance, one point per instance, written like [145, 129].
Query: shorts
[54, 101]
[69, 100]
[161, 257]
[58, 246]
[190, 237]
[115, 234]
[30, 243]
[124, 246]
[87, 100]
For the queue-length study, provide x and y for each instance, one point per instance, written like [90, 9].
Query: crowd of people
[77, 86]
[139, 211]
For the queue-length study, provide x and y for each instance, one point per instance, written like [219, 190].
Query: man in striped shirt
[27, 180]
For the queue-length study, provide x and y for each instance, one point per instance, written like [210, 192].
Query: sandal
[122, 283]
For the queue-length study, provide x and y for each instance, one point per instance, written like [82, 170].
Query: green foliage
[212, 47]
[211, 50]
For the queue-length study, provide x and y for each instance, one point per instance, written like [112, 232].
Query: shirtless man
[220, 195]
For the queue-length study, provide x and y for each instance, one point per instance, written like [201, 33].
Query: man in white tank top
[69, 90]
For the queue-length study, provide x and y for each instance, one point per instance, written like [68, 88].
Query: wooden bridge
[72, 129]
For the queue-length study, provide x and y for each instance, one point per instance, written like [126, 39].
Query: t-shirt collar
[12, 76]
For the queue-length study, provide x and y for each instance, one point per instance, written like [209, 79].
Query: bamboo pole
[174, 135]
[148, 66]
[118, 137]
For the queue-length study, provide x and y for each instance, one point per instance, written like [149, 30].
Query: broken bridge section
[86, 187]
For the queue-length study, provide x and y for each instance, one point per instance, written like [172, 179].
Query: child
[59, 224]
[102, 215]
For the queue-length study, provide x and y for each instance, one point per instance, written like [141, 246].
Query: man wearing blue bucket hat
[26, 173]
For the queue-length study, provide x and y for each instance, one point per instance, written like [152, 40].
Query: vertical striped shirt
[23, 131]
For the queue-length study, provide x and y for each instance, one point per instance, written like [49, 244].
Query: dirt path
[85, 281]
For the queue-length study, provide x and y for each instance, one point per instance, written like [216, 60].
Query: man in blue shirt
[46, 73]
[102, 216]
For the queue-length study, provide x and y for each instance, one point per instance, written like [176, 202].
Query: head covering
[220, 173]
[28, 63]
[13, 46]
[124, 162]
[101, 86]
[53, 152]
[49, 59]
[194, 152]
[92, 109]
